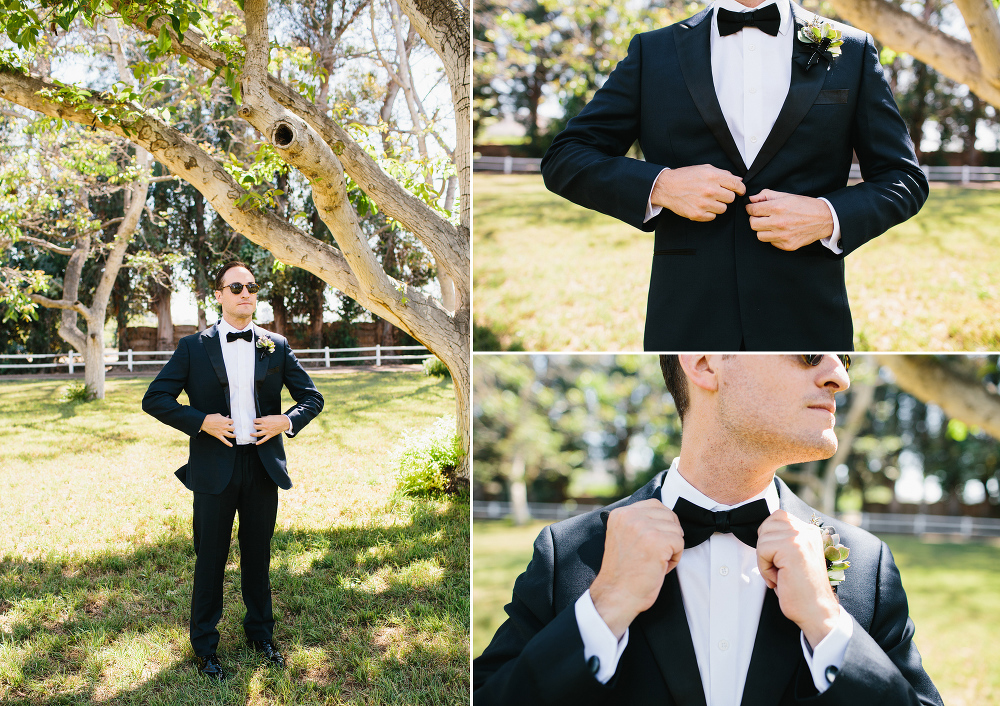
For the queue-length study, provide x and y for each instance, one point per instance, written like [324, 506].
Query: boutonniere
[834, 552]
[266, 345]
[824, 40]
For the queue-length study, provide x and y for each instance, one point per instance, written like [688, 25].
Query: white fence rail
[962, 175]
[876, 523]
[130, 359]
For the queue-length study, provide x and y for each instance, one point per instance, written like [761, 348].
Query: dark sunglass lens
[812, 360]
[236, 287]
[253, 288]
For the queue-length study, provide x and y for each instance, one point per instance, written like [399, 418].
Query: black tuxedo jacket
[536, 657]
[198, 368]
[714, 285]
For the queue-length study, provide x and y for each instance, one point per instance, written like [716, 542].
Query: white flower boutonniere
[824, 40]
[834, 552]
[266, 345]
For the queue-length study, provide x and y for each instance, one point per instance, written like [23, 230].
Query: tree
[295, 131]
[975, 63]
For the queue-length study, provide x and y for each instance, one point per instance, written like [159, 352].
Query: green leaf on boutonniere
[823, 38]
[834, 552]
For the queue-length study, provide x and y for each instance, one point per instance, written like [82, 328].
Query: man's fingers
[735, 184]
[224, 440]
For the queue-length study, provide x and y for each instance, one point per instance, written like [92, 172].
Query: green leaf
[163, 41]
[151, 19]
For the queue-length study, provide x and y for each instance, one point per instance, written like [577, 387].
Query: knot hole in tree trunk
[282, 135]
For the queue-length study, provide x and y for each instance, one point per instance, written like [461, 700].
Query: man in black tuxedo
[748, 133]
[708, 586]
[233, 373]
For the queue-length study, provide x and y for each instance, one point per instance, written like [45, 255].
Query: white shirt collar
[676, 486]
[226, 327]
[784, 9]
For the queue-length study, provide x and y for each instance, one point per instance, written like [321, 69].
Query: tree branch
[65, 304]
[900, 30]
[46, 244]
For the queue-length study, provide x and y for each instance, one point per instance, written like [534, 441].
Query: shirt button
[723, 645]
[724, 570]
[754, 139]
[753, 90]
[752, 47]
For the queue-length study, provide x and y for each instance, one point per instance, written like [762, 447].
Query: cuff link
[594, 664]
[830, 674]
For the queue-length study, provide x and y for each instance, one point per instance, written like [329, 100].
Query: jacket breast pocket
[832, 97]
[271, 371]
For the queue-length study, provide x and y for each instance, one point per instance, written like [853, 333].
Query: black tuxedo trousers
[253, 495]
[714, 284]
[536, 657]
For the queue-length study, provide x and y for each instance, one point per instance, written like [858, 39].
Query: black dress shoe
[269, 651]
[210, 666]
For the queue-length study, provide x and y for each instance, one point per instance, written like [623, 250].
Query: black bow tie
[699, 524]
[767, 19]
[245, 335]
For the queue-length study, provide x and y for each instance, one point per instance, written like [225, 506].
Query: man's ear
[700, 370]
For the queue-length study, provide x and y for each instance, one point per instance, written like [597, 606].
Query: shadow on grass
[485, 339]
[365, 614]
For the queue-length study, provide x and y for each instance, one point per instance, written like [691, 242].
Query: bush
[77, 392]
[427, 460]
[433, 366]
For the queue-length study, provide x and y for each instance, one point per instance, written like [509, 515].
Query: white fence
[876, 523]
[961, 175]
[311, 357]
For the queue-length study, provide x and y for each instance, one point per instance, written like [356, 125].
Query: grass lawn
[549, 275]
[371, 590]
[953, 592]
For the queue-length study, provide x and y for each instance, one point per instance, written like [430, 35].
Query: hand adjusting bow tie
[245, 335]
[699, 524]
[766, 19]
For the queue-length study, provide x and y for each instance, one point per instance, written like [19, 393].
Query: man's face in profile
[781, 403]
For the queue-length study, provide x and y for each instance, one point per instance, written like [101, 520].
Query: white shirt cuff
[833, 242]
[289, 433]
[598, 640]
[654, 211]
[829, 652]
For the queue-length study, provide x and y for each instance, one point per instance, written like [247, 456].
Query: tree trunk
[316, 325]
[93, 359]
[280, 315]
[864, 393]
[164, 318]
[518, 491]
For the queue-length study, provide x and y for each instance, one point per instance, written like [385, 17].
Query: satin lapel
[776, 654]
[261, 360]
[802, 92]
[665, 628]
[694, 53]
[213, 346]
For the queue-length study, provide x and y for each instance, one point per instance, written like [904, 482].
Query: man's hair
[225, 268]
[676, 382]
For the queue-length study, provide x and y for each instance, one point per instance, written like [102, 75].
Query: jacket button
[831, 674]
[594, 665]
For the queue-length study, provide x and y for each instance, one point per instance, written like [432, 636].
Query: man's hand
[789, 221]
[643, 544]
[219, 426]
[269, 426]
[790, 559]
[696, 193]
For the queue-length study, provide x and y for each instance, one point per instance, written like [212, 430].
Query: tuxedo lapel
[776, 654]
[694, 53]
[261, 360]
[665, 629]
[213, 346]
[802, 91]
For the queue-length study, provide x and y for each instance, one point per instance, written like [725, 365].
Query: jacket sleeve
[881, 665]
[894, 187]
[586, 162]
[536, 656]
[308, 400]
[160, 399]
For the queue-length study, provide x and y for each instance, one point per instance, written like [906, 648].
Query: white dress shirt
[723, 595]
[239, 358]
[752, 71]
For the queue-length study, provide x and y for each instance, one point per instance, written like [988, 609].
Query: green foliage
[426, 460]
[434, 367]
[77, 392]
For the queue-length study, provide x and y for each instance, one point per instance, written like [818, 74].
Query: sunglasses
[816, 358]
[237, 287]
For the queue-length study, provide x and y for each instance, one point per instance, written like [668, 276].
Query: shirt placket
[752, 92]
[723, 619]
